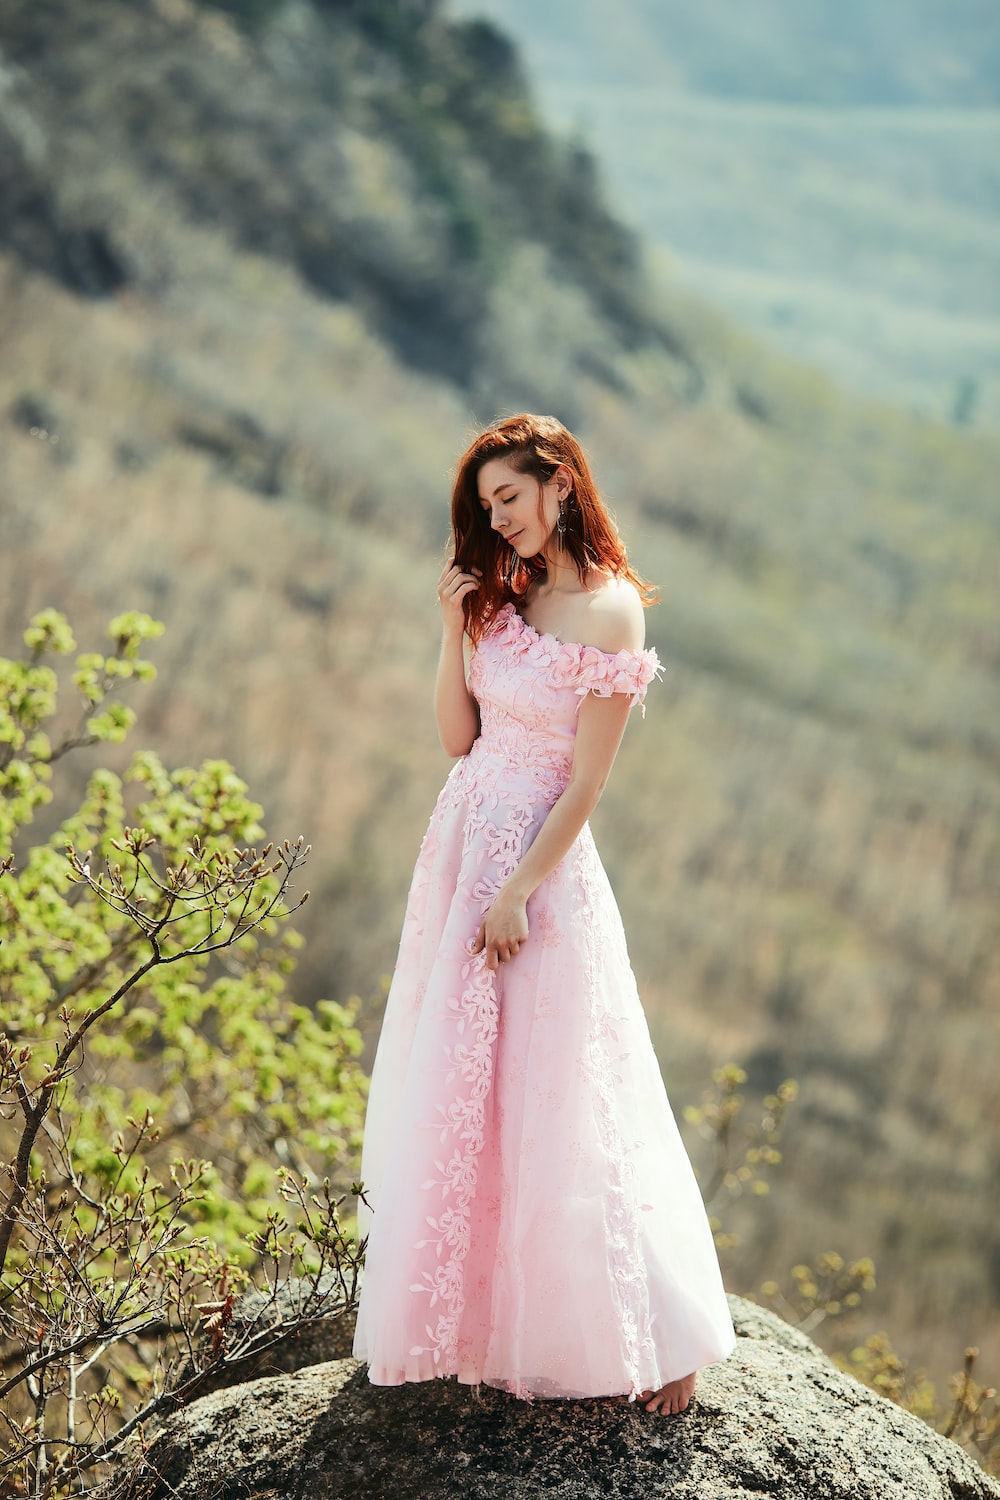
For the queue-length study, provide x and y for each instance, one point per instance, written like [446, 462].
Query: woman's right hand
[453, 585]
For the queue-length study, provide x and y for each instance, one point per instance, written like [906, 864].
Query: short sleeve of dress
[567, 664]
[603, 673]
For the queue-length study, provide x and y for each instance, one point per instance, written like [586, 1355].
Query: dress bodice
[529, 687]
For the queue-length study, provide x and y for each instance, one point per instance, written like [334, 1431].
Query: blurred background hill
[828, 173]
[263, 268]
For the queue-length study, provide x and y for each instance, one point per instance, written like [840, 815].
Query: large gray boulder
[776, 1420]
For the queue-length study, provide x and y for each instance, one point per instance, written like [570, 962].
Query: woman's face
[521, 511]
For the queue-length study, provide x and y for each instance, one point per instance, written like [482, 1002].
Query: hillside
[259, 276]
[349, 141]
[827, 172]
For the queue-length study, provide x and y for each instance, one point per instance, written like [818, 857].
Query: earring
[561, 526]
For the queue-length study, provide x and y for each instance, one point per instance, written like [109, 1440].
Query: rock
[777, 1420]
[322, 1332]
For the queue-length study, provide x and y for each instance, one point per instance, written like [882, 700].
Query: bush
[741, 1153]
[162, 1101]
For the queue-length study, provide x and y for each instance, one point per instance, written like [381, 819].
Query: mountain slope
[392, 158]
[829, 173]
[198, 421]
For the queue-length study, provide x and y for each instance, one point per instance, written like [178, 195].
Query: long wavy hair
[537, 446]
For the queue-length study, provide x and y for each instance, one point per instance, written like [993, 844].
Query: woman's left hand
[503, 930]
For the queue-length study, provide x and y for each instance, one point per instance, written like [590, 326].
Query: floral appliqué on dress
[533, 1221]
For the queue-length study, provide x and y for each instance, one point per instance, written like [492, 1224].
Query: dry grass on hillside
[804, 831]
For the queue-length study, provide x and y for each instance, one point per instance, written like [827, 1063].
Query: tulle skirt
[535, 1223]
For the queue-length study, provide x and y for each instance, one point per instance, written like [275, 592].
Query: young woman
[534, 1222]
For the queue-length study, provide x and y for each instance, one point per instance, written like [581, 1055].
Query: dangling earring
[561, 526]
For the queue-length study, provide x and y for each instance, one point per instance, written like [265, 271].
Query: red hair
[537, 446]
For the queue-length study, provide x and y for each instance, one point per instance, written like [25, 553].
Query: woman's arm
[599, 733]
[455, 709]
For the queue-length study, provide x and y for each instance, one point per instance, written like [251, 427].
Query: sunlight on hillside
[247, 429]
[828, 177]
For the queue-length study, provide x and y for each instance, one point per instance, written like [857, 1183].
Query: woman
[535, 1222]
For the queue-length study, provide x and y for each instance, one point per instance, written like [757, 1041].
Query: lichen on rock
[776, 1420]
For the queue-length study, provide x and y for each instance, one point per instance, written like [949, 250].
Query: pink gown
[535, 1222]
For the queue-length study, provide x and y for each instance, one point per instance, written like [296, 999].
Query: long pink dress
[536, 1223]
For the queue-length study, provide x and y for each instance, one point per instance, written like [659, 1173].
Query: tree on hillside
[167, 1113]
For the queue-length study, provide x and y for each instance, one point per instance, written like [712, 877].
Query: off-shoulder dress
[534, 1220]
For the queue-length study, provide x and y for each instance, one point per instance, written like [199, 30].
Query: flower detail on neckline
[587, 668]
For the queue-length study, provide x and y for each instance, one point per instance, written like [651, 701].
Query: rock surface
[776, 1420]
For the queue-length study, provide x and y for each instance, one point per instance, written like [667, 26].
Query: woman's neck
[561, 574]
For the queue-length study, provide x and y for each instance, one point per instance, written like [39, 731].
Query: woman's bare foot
[671, 1398]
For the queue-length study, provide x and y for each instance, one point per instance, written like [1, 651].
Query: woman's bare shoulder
[615, 619]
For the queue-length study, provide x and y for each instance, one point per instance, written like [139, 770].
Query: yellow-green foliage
[163, 1102]
[738, 1165]
[825, 1288]
[971, 1416]
[213, 1049]
[829, 1288]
